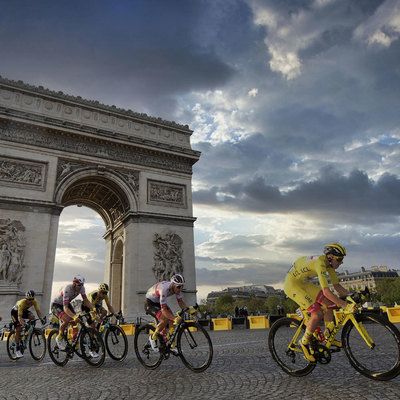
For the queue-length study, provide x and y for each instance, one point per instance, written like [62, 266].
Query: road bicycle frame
[346, 316]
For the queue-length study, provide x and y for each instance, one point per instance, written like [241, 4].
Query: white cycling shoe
[61, 343]
[153, 343]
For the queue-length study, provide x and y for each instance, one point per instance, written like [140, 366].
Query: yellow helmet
[103, 287]
[335, 249]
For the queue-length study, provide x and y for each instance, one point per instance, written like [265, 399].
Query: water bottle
[319, 333]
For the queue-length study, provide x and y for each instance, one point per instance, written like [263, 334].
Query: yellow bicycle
[370, 342]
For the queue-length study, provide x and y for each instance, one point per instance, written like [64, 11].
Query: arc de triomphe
[134, 170]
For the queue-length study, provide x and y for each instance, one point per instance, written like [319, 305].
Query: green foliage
[388, 291]
[225, 304]
[271, 304]
[290, 306]
[254, 305]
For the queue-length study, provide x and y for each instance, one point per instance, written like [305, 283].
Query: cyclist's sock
[171, 331]
[306, 337]
[60, 335]
[17, 346]
[155, 334]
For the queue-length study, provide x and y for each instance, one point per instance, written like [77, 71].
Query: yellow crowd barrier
[222, 324]
[393, 314]
[258, 321]
[295, 316]
[129, 329]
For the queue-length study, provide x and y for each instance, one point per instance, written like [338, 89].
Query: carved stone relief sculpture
[16, 172]
[12, 250]
[167, 255]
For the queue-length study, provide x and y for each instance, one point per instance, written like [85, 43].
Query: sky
[294, 106]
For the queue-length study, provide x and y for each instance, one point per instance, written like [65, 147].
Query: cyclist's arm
[87, 303]
[341, 290]
[333, 298]
[110, 307]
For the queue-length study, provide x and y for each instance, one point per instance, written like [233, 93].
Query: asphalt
[242, 368]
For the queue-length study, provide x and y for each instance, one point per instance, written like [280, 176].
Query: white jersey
[159, 292]
[67, 294]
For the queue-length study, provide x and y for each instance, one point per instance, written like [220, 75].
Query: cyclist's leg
[17, 326]
[305, 294]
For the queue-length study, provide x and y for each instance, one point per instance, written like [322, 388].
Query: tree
[290, 306]
[224, 303]
[271, 304]
[388, 291]
[254, 304]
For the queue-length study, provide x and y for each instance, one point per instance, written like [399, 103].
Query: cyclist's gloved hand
[177, 320]
[192, 310]
[350, 308]
[76, 317]
[93, 314]
[43, 320]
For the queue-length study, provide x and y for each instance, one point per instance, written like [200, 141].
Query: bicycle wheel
[116, 343]
[291, 360]
[11, 347]
[382, 362]
[59, 357]
[92, 347]
[144, 353]
[37, 345]
[194, 346]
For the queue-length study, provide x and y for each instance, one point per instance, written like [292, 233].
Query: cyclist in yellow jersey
[20, 312]
[96, 299]
[298, 287]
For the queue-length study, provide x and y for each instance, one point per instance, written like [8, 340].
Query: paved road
[241, 369]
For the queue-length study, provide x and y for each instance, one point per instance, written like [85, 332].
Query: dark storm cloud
[335, 194]
[136, 53]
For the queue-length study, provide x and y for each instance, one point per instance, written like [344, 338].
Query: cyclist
[96, 299]
[156, 305]
[310, 296]
[61, 307]
[20, 312]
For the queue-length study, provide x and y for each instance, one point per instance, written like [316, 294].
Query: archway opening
[80, 248]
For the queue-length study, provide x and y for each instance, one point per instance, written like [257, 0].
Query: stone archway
[116, 275]
[134, 170]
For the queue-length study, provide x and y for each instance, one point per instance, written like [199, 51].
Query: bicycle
[370, 342]
[84, 344]
[193, 344]
[114, 338]
[31, 337]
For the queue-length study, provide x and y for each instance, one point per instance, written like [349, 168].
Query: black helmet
[335, 249]
[30, 295]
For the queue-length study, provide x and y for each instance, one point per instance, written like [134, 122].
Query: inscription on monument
[165, 193]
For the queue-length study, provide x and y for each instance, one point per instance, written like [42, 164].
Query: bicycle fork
[363, 332]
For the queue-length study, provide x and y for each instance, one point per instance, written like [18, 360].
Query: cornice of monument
[141, 117]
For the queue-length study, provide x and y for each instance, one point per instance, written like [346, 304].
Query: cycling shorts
[154, 309]
[306, 294]
[14, 316]
[58, 309]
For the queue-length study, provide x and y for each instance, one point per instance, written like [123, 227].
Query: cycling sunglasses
[103, 292]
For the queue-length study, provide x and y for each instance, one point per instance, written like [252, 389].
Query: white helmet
[79, 279]
[178, 279]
